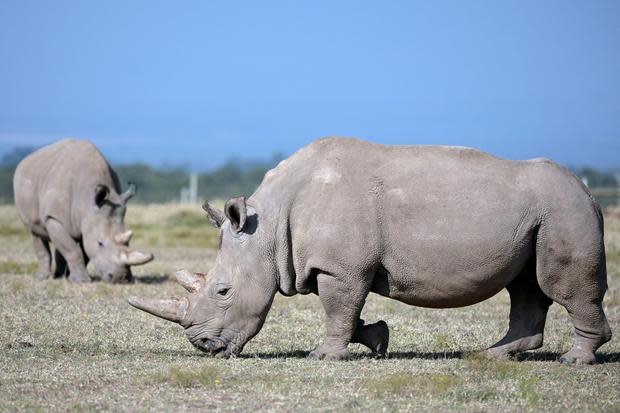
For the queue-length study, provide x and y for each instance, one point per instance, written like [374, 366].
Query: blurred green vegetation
[184, 228]
[156, 185]
[234, 178]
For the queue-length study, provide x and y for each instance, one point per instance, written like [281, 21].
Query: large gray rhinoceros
[430, 226]
[68, 194]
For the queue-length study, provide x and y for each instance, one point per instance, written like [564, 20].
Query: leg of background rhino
[61, 264]
[374, 336]
[69, 249]
[84, 256]
[528, 312]
[42, 251]
[573, 274]
[343, 302]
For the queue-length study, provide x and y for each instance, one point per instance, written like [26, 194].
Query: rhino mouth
[216, 347]
[212, 347]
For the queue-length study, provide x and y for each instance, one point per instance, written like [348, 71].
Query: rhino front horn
[170, 309]
[136, 258]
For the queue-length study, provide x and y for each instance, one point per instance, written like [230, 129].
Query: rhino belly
[442, 271]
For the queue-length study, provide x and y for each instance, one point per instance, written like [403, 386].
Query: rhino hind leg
[374, 336]
[44, 257]
[342, 302]
[571, 271]
[528, 313]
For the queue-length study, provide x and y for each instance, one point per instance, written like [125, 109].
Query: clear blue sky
[198, 82]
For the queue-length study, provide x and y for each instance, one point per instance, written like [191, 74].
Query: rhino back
[431, 219]
[59, 181]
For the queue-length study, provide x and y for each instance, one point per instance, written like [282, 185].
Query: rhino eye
[223, 291]
[100, 243]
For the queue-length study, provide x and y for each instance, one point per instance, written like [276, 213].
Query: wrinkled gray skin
[68, 194]
[430, 226]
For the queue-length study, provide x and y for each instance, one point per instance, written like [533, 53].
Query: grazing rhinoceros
[430, 226]
[68, 194]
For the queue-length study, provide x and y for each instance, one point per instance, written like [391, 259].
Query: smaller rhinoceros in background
[68, 194]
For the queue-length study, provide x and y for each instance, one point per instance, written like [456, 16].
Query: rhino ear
[101, 193]
[236, 211]
[216, 217]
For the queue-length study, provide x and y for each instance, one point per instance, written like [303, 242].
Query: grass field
[71, 347]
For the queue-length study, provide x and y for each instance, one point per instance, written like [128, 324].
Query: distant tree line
[234, 178]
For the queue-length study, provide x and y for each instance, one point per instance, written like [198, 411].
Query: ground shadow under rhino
[538, 356]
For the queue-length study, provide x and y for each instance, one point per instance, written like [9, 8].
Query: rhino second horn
[135, 258]
[191, 282]
[123, 238]
[170, 309]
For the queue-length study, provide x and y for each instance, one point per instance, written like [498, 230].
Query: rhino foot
[43, 275]
[578, 356]
[325, 352]
[79, 277]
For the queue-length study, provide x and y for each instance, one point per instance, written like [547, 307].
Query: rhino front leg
[69, 249]
[343, 302]
[61, 264]
[44, 257]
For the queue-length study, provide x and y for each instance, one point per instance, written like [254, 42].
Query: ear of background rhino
[129, 193]
[215, 216]
[236, 211]
[101, 193]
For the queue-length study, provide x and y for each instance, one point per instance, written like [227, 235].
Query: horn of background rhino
[129, 193]
[216, 217]
[191, 282]
[123, 238]
[170, 309]
[136, 258]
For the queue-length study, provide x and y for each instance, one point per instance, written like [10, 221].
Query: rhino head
[105, 240]
[227, 307]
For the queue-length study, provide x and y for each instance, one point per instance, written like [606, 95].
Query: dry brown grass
[82, 348]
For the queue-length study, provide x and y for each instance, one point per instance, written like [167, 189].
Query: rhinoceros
[68, 194]
[430, 226]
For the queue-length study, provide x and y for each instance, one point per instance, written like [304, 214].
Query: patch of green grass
[482, 364]
[527, 390]
[181, 229]
[403, 384]
[8, 230]
[443, 341]
[187, 377]
[186, 219]
[14, 267]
